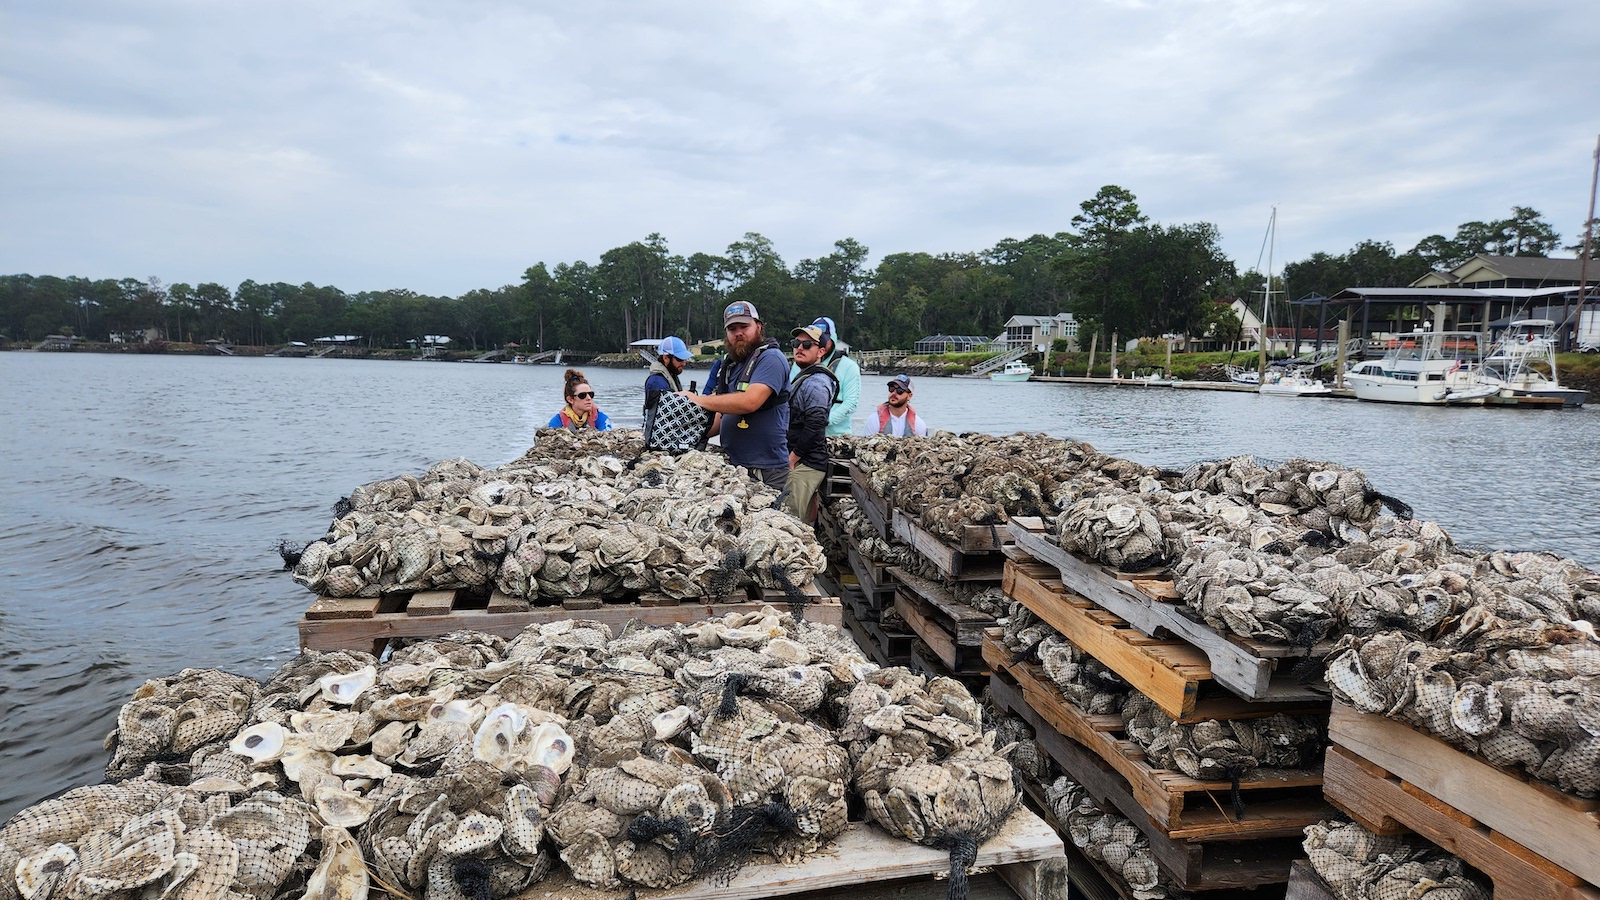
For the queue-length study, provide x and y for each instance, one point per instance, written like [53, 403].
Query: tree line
[1114, 269]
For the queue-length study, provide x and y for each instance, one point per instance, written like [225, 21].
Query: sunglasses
[804, 345]
[897, 389]
[584, 395]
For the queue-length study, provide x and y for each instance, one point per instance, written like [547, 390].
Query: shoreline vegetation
[1579, 370]
[1114, 270]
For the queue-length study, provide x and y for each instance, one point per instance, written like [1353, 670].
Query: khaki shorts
[803, 484]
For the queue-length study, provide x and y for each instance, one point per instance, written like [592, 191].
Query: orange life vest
[883, 419]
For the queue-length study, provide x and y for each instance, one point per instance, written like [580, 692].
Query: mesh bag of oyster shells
[578, 515]
[1109, 839]
[925, 766]
[1359, 865]
[1224, 750]
[1519, 696]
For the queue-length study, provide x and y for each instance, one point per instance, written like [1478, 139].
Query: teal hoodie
[849, 375]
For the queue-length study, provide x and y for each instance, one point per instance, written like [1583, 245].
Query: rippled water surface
[144, 495]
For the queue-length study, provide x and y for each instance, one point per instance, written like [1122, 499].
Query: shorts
[772, 478]
[803, 484]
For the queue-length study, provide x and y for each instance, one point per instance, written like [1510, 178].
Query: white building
[1038, 332]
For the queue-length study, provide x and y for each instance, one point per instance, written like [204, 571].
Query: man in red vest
[897, 417]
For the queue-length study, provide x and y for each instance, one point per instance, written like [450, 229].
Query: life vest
[571, 422]
[807, 372]
[733, 376]
[657, 367]
[883, 419]
[832, 362]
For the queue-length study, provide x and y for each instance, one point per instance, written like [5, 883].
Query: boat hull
[1426, 393]
[1281, 389]
[1009, 377]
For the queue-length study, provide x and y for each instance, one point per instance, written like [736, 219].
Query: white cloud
[447, 147]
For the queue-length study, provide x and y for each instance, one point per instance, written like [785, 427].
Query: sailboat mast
[1266, 300]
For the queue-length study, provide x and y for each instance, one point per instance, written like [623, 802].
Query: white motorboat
[1526, 352]
[1427, 367]
[1016, 370]
[1293, 381]
[1151, 377]
[1241, 375]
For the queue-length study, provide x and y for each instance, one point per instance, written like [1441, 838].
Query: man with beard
[812, 393]
[844, 369]
[751, 398]
[896, 417]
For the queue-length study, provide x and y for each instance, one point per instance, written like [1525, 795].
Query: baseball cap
[811, 331]
[903, 380]
[672, 345]
[828, 329]
[740, 311]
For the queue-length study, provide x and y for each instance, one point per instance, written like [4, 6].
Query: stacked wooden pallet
[866, 590]
[1530, 839]
[949, 633]
[1129, 624]
[368, 624]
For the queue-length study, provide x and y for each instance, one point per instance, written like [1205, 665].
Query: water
[145, 495]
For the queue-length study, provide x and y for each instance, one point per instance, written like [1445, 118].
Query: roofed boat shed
[1482, 294]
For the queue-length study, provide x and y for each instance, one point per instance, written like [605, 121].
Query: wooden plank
[873, 506]
[1306, 884]
[944, 557]
[1172, 678]
[1232, 666]
[1044, 879]
[430, 603]
[865, 854]
[1195, 865]
[1278, 801]
[966, 623]
[359, 634]
[343, 608]
[1567, 836]
[501, 602]
[1517, 875]
[938, 640]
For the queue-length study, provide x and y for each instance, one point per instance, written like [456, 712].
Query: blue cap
[672, 345]
[829, 332]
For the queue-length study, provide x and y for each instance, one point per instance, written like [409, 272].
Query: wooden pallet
[873, 577]
[925, 662]
[1173, 673]
[1199, 865]
[1243, 666]
[949, 558]
[885, 647]
[1557, 826]
[1027, 855]
[368, 624]
[872, 504]
[1382, 802]
[1278, 802]
[924, 618]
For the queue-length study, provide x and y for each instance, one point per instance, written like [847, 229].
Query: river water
[144, 495]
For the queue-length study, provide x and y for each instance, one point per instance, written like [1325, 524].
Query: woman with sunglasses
[580, 411]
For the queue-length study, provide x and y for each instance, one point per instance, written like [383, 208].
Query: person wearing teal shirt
[843, 368]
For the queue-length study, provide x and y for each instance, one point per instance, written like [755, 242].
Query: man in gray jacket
[811, 396]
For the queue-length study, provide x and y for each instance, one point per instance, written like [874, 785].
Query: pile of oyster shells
[1223, 750]
[464, 762]
[1519, 695]
[1109, 839]
[1084, 681]
[1360, 865]
[562, 523]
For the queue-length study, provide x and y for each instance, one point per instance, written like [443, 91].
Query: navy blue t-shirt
[760, 440]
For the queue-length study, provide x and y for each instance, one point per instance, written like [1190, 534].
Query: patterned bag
[676, 424]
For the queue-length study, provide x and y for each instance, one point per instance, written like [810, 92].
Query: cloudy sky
[447, 146]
